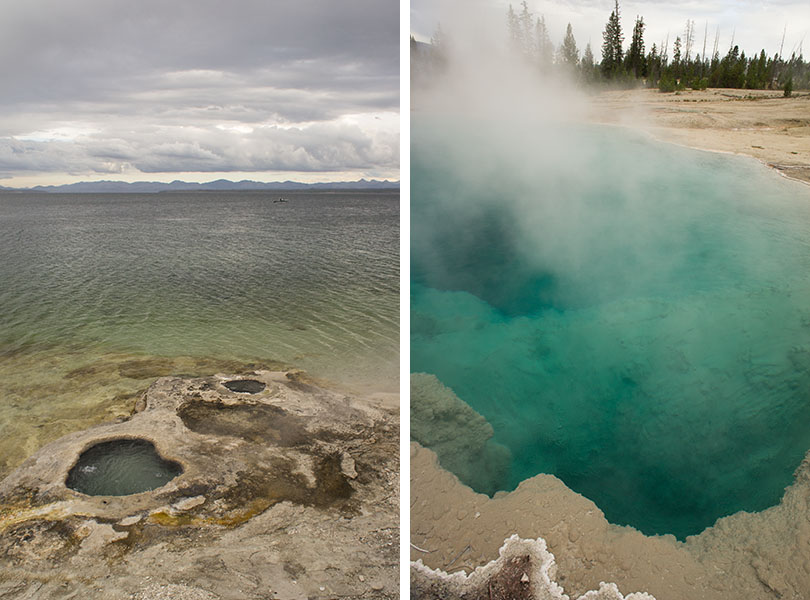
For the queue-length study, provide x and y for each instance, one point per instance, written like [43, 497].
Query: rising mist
[627, 315]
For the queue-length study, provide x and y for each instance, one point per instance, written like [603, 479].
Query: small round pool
[245, 386]
[121, 467]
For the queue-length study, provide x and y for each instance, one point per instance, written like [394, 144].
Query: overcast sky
[158, 90]
[755, 24]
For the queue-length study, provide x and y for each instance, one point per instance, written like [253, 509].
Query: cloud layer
[99, 86]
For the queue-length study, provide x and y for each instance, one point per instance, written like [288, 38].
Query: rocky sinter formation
[290, 492]
[756, 556]
[524, 570]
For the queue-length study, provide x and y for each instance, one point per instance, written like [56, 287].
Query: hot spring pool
[121, 467]
[629, 316]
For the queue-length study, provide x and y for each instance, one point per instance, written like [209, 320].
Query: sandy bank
[758, 123]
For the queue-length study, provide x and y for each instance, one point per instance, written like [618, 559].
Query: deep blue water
[629, 316]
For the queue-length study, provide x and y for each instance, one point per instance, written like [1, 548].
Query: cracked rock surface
[289, 492]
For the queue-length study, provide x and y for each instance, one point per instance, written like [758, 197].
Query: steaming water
[629, 316]
[102, 293]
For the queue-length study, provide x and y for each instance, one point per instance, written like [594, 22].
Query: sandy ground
[758, 123]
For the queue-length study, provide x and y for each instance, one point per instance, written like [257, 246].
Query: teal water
[630, 316]
[100, 294]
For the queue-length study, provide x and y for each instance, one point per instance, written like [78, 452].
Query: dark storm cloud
[160, 85]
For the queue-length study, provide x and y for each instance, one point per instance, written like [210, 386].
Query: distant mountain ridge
[146, 187]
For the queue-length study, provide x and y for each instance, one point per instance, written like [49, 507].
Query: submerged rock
[460, 436]
[292, 489]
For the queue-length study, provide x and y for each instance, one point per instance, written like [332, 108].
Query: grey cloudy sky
[754, 24]
[198, 89]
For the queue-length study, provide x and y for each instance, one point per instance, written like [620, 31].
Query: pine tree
[525, 22]
[587, 55]
[635, 56]
[569, 51]
[586, 64]
[676, 58]
[612, 46]
[512, 25]
[545, 49]
[520, 30]
[653, 62]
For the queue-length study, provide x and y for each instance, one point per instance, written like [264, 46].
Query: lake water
[630, 316]
[102, 293]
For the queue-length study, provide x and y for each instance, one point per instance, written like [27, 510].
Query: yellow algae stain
[55, 511]
[230, 519]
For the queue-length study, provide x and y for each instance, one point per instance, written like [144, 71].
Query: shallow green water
[101, 294]
[629, 316]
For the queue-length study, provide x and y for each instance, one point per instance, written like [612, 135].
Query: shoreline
[759, 124]
[758, 556]
[89, 386]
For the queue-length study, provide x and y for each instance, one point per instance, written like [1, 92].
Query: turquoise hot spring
[630, 316]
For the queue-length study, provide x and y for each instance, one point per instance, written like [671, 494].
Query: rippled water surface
[121, 467]
[102, 293]
[629, 316]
